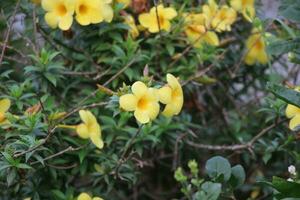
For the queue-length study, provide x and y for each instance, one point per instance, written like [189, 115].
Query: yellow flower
[133, 31]
[143, 101]
[256, 48]
[90, 128]
[293, 112]
[246, 7]
[196, 31]
[150, 20]
[218, 19]
[171, 95]
[85, 196]
[223, 19]
[59, 13]
[93, 11]
[126, 3]
[4, 106]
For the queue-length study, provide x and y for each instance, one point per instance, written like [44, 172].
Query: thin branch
[249, 145]
[8, 31]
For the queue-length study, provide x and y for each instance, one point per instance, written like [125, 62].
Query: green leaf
[288, 95]
[23, 166]
[290, 9]
[210, 191]
[286, 188]
[238, 176]
[283, 46]
[218, 168]
[9, 158]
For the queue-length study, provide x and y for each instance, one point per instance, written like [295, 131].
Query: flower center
[143, 103]
[61, 10]
[259, 45]
[83, 9]
[244, 2]
[161, 20]
[2, 117]
[175, 93]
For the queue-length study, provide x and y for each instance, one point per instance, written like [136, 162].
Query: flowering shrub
[136, 99]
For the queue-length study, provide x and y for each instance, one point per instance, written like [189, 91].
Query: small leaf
[238, 176]
[218, 167]
[288, 95]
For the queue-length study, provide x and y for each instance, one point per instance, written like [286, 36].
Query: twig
[122, 158]
[8, 31]
[235, 147]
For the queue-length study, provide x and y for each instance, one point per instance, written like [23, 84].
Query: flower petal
[294, 122]
[153, 110]
[291, 111]
[139, 88]
[211, 38]
[169, 13]
[165, 94]
[169, 110]
[128, 102]
[4, 105]
[83, 131]
[84, 196]
[83, 20]
[149, 21]
[51, 19]
[141, 116]
[49, 5]
[107, 13]
[87, 117]
[66, 22]
[236, 4]
[173, 81]
[96, 139]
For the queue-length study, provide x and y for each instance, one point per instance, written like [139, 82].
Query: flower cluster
[144, 101]
[59, 13]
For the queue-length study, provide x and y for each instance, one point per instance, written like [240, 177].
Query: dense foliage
[137, 99]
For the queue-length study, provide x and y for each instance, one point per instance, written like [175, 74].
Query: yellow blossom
[90, 128]
[246, 7]
[196, 31]
[59, 13]
[217, 18]
[85, 196]
[133, 30]
[126, 3]
[93, 11]
[162, 15]
[4, 106]
[223, 19]
[143, 101]
[256, 48]
[171, 95]
[293, 112]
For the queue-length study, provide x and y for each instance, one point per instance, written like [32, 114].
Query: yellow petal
[107, 13]
[169, 110]
[262, 57]
[128, 102]
[66, 22]
[83, 131]
[211, 38]
[96, 16]
[83, 20]
[294, 122]
[97, 198]
[87, 117]
[51, 19]
[139, 88]
[96, 139]
[49, 5]
[149, 21]
[84, 196]
[165, 94]
[236, 4]
[291, 111]
[4, 105]
[141, 116]
[173, 81]
[166, 26]
[153, 110]
[169, 13]
[249, 13]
